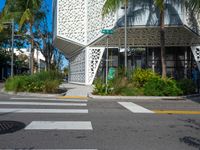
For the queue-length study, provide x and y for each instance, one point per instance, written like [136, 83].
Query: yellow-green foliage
[141, 76]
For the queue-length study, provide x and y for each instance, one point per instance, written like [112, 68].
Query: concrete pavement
[76, 90]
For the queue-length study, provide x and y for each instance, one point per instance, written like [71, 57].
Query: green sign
[111, 73]
[107, 31]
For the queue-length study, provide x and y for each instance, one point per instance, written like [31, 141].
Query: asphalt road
[114, 127]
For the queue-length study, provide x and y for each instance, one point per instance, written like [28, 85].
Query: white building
[77, 32]
[38, 57]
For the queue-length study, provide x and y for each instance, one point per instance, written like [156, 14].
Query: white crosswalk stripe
[29, 110]
[59, 125]
[51, 149]
[43, 104]
[134, 107]
[48, 99]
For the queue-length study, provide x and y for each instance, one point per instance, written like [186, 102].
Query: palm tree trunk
[32, 49]
[162, 43]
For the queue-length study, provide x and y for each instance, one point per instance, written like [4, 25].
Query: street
[49, 123]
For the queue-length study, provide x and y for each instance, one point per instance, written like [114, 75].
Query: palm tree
[113, 5]
[25, 13]
[30, 14]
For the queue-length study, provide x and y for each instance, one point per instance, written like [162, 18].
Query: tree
[30, 14]
[66, 71]
[113, 5]
[25, 13]
[44, 43]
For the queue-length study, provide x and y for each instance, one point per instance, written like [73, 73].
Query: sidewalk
[76, 90]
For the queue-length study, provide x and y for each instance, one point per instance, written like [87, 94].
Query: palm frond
[27, 16]
[159, 4]
[193, 5]
[111, 6]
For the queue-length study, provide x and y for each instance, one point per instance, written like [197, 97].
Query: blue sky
[2, 3]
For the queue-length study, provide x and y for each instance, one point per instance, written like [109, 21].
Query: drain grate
[10, 126]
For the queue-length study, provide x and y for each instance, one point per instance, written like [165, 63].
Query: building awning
[140, 36]
[67, 47]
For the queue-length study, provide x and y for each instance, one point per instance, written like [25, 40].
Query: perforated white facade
[78, 25]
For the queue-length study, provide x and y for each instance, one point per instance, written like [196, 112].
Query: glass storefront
[178, 60]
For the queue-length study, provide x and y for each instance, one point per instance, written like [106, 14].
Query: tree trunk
[162, 43]
[32, 50]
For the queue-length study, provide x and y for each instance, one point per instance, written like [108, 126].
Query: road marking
[24, 110]
[52, 149]
[49, 99]
[134, 107]
[42, 103]
[59, 125]
[177, 112]
[72, 97]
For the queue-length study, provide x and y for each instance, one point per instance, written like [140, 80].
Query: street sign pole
[107, 32]
[107, 65]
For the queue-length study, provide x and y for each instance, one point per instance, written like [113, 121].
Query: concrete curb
[72, 97]
[142, 97]
[32, 94]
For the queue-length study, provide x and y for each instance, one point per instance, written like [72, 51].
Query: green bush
[131, 91]
[51, 86]
[187, 86]
[16, 84]
[117, 84]
[99, 87]
[39, 82]
[161, 87]
[141, 76]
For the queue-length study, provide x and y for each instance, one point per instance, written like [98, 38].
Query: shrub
[187, 86]
[117, 84]
[51, 86]
[141, 76]
[39, 82]
[99, 87]
[161, 87]
[17, 84]
[128, 91]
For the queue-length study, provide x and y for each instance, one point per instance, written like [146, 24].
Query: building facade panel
[95, 21]
[71, 23]
[77, 68]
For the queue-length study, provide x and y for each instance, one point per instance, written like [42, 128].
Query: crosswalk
[53, 108]
[23, 103]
